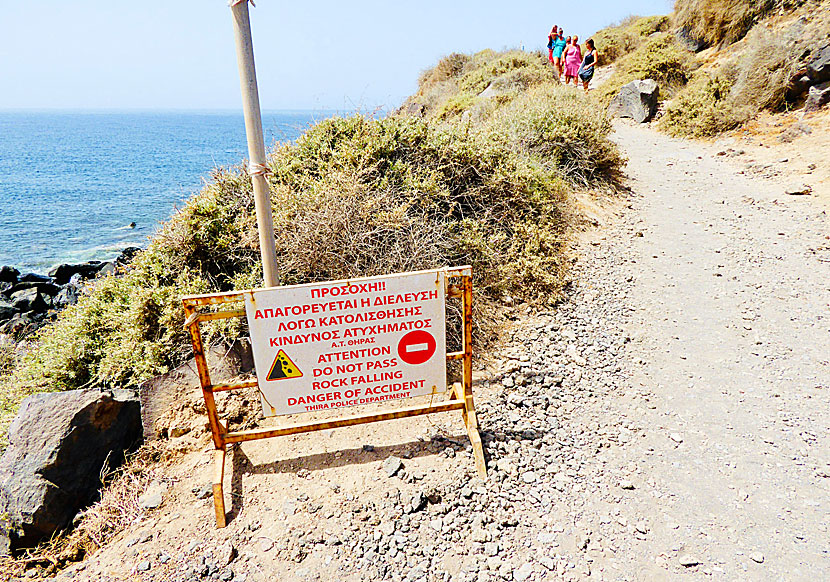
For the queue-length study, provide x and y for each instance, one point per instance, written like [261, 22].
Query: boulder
[34, 278]
[58, 445]
[160, 395]
[637, 100]
[127, 255]
[28, 300]
[8, 274]
[45, 288]
[798, 85]
[818, 97]
[63, 273]
[67, 296]
[818, 69]
[107, 268]
[7, 310]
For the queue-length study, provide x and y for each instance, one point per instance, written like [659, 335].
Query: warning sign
[346, 343]
[283, 367]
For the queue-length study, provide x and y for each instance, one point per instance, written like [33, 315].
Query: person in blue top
[558, 45]
[554, 33]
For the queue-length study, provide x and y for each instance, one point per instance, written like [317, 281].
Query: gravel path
[669, 420]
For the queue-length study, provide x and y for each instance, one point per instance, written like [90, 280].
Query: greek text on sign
[329, 345]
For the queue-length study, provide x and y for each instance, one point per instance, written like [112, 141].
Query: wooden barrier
[460, 397]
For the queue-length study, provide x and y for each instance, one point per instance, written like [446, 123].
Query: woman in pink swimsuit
[573, 60]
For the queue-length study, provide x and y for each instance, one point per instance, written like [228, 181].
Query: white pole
[256, 142]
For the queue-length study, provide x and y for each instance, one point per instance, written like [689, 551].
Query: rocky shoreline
[28, 301]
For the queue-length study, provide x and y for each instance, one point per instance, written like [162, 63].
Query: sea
[80, 186]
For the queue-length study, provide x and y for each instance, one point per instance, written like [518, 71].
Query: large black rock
[28, 300]
[637, 100]
[818, 97]
[7, 310]
[62, 273]
[58, 444]
[818, 69]
[8, 274]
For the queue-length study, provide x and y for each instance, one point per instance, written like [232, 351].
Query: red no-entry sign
[416, 347]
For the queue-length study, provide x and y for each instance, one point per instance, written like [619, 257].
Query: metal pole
[256, 142]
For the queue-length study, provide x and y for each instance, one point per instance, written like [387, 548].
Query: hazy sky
[179, 54]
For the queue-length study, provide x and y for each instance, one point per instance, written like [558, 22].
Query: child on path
[586, 71]
[573, 60]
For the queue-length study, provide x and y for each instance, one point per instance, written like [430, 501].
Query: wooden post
[469, 411]
[256, 142]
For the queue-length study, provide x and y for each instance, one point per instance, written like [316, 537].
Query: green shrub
[456, 105]
[476, 80]
[450, 88]
[617, 41]
[660, 58]
[352, 197]
[561, 129]
[702, 109]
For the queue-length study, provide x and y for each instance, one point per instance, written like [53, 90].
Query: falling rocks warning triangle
[283, 368]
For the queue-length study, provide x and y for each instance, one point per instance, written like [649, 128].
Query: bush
[452, 86]
[353, 197]
[724, 21]
[617, 41]
[702, 109]
[660, 58]
[764, 70]
[561, 129]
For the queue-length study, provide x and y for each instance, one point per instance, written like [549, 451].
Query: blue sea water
[71, 183]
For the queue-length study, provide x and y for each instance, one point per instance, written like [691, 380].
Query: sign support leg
[469, 411]
[218, 491]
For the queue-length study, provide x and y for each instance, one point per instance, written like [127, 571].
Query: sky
[341, 55]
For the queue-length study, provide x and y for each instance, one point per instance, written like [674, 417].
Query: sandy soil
[787, 151]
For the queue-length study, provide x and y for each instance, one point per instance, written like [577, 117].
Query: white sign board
[336, 344]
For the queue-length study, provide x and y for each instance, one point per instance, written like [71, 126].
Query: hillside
[721, 63]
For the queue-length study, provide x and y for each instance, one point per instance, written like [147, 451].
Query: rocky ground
[669, 420]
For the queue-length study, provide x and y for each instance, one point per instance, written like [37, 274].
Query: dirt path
[669, 420]
[730, 371]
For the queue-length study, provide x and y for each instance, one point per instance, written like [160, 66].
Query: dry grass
[765, 68]
[725, 21]
[117, 509]
[751, 76]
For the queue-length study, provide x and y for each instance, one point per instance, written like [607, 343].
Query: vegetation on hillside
[721, 88]
[620, 39]
[750, 76]
[724, 21]
[660, 57]
[479, 179]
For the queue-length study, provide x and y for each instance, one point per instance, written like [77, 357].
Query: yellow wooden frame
[461, 397]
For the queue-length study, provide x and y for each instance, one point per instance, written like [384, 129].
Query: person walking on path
[554, 34]
[586, 71]
[573, 60]
[559, 45]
